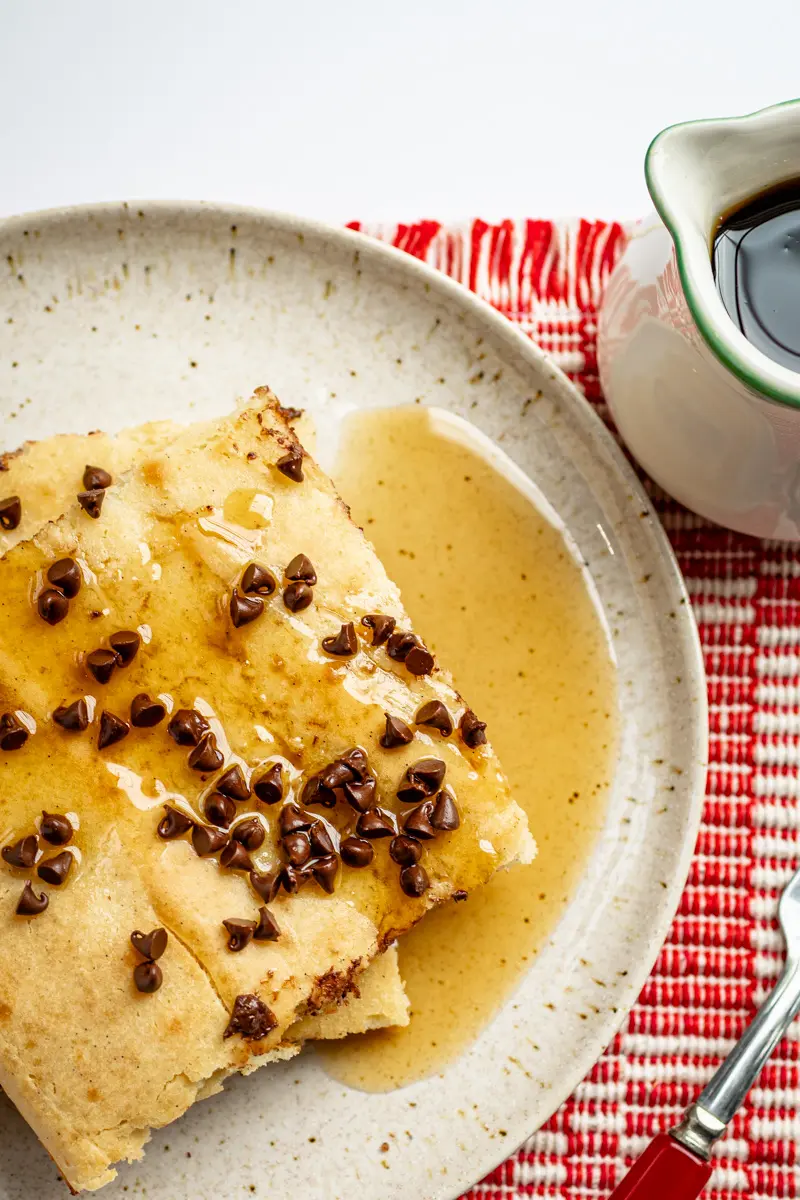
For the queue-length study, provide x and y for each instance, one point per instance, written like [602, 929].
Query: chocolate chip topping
[187, 726]
[21, 854]
[325, 871]
[423, 778]
[56, 869]
[356, 759]
[361, 796]
[266, 883]
[29, 904]
[219, 810]
[297, 596]
[95, 478]
[74, 717]
[258, 579]
[336, 775]
[269, 788]
[52, 606]
[150, 945]
[343, 644]
[240, 933]
[236, 858]
[292, 819]
[267, 929]
[250, 1018]
[147, 976]
[418, 822]
[91, 502]
[126, 645]
[396, 733]
[233, 784]
[292, 878]
[473, 731]
[434, 713]
[297, 848]
[399, 644]
[301, 568]
[291, 465]
[321, 841]
[206, 755]
[356, 852]
[102, 664]
[146, 712]
[376, 823]
[65, 575]
[208, 840]
[414, 881]
[112, 729]
[244, 609]
[419, 660]
[13, 734]
[250, 833]
[315, 792]
[10, 512]
[382, 627]
[405, 851]
[460, 895]
[173, 824]
[445, 814]
[55, 828]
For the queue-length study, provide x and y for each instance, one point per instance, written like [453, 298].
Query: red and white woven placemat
[723, 950]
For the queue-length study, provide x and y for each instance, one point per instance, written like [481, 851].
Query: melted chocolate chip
[206, 755]
[95, 478]
[356, 852]
[147, 977]
[240, 933]
[266, 883]
[269, 788]
[460, 895]
[293, 820]
[376, 823]
[13, 734]
[112, 729]
[233, 784]
[126, 645]
[382, 627]
[343, 644]
[315, 792]
[236, 858]
[405, 851]
[250, 1018]
[219, 810]
[65, 576]
[297, 596]
[52, 606]
[74, 717]
[267, 929]
[473, 731]
[297, 848]
[55, 828]
[92, 502]
[396, 733]
[29, 904]
[145, 712]
[325, 871]
[187, 726]
[10, 512]
[55, 870]
[434, 714]
[291, 465]
[445, 814]
[418, 822]
[102, 664]
[399, 644]
[207, 840]
[321, 841]
[150, 945]
[250, 833]
[361, 796]
[414, 881]
[301, 568]
[173, 824]
[244, 609]
[21, 854]
[258, 579]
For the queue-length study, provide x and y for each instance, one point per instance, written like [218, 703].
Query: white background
[363, 108]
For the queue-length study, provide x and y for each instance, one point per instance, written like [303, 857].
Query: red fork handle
[666, 1171]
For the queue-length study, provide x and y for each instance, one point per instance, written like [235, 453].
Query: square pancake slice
[211, 688]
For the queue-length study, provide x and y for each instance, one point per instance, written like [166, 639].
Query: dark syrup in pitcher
[756, 261]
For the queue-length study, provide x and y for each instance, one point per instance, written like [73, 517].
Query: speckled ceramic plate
[114, 315]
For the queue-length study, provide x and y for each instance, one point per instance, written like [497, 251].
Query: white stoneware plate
[114, 315]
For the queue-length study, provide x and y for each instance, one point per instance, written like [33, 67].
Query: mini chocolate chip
[250, 1018]
[112, 729]
[335, 775]
[266, 883]
[208, 840]
[414, 881]
[233, 784]
[95, 478]
[343, 644]
[396, 733]
[126, 645]
[460, 895]
[315, 792]
[297, 596]
[399, 644]
[92, 502]
[150, 945]
[10, 512]
[297, 848]
[240, 933]
[65, 575]
[376, 823]
[291, 465]
[269, 788]
[405, 851]
[187, 726]
[74, 717]
[174, 823]
[445, 814]
[301, 568]
[293, 820]
[250, 833]
[382, 627]
[321, 841]
[29, 904]
[22, 853]
[418, 822]
[356, 852]
[52, 606]
[244, 609]
[236, 858]
[147, 976]
[145, 712]
[219, 809]
[55, 828]
[473, 731]
[434, 713]
[419, 660]
[427, 774]
[55, 870]
[361, 796]
[102, 664]
[206, 755]
[267, 929]
[13, 734]
[325, 871]
[258, 579]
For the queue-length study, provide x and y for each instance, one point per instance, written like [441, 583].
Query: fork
[675, 1166]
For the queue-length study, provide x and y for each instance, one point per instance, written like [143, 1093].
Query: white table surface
[362, 108]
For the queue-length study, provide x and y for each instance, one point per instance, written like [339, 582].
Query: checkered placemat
[723, 950]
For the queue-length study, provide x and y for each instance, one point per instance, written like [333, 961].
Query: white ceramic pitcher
[709, 417]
